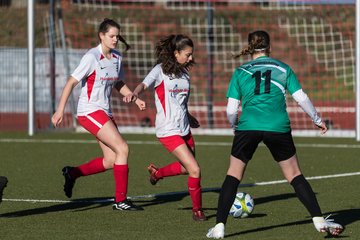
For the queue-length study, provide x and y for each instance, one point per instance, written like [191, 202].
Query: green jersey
[261, 85]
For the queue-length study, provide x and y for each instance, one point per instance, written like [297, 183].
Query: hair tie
[259, 49]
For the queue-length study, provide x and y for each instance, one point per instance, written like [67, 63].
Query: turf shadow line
[343, 217]
[89, 203]
[261, 200]
[160, 198]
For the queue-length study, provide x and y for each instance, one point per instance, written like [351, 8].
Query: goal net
[315, 37]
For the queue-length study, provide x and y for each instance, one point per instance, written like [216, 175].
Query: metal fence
[316, 38]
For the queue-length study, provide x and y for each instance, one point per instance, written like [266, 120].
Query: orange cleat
[153, 170]
[199, 215]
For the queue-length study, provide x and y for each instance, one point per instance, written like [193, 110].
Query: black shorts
[281, 145]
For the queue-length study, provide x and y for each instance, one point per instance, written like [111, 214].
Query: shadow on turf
[258, 201]
[92, 203]
[164, 198]
[343, 217]
[161, 199]
[76, 205]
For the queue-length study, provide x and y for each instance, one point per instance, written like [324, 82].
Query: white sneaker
[216, 232]
[327, 225]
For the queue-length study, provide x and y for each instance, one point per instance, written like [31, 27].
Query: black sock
[306, 195]
[226, 199]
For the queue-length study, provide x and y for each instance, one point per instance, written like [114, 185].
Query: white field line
[176, 193]
[199, 143]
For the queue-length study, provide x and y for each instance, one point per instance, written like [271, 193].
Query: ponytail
[164, 53]
[121, 39]
[106, 24]
[258, 41]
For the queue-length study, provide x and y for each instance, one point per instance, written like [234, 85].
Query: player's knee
[194, 171]
[109, 163]
[122, 149]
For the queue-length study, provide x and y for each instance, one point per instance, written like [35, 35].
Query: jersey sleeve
[234, 87]
[293, 84]
[153, 77]
[232, 110]
[85, 67]
[303, 100]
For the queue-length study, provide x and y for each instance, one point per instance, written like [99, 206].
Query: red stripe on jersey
[115, 56]
[90, 83]
[102, 57]
[160, 92]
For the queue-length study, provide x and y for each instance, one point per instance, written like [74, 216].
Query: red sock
[121, 173]
[172, 169]
[195, 192]
[92, 167]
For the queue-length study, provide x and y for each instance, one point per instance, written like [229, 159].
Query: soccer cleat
[153, 170]
[126, 205]
[69, 181]
[327, 225]
[3, 183]
[216, 232]
[199, 215]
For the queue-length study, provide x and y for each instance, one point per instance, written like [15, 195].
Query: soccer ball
[243, 205]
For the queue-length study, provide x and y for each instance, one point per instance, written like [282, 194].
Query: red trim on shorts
[172, 142]
[94, 121]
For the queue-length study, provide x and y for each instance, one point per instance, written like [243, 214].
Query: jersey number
[257, 75]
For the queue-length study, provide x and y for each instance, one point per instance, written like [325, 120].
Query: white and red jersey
[171, 97]
[98, 75]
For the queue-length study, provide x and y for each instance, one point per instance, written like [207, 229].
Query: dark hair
[104, 28]
[164, 52]
[258, 41]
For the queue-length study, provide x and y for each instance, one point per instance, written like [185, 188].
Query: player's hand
[141, 104]
[194, 123]
[131, 97]
[57, 118]
[234, 127]
[323, 128]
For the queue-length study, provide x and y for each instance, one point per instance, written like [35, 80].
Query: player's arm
[58, 115]
[232, 110]
[126, 92]
[194, 123]
[234, 95]
[122, 88]
[141, 104]
[149, 80]
[139, 89]
[303, 100]
[129, 96]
